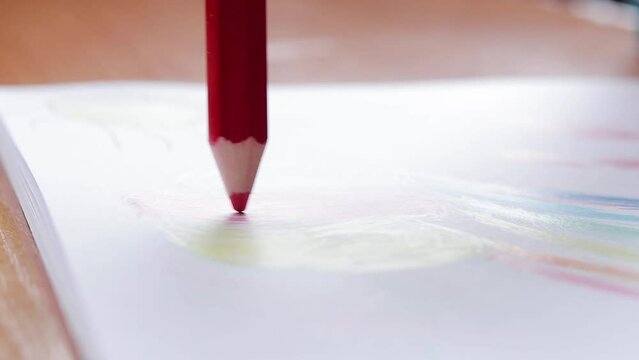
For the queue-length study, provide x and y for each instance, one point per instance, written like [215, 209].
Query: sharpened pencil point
[239, 201]
[238, 163]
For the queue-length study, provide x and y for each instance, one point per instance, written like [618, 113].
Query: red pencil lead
[239, 201]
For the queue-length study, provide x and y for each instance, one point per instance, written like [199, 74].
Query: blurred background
[322, 40]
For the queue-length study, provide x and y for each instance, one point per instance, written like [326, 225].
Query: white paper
[448, 220]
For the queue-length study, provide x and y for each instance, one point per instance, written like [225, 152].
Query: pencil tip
[238, 163]
[239, 201]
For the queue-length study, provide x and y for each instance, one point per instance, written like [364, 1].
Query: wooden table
[310, 41]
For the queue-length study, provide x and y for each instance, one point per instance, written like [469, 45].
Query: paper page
[446, 220]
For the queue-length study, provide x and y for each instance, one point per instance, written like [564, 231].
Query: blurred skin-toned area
[310, 40]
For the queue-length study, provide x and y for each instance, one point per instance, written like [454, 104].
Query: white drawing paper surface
[447, 220]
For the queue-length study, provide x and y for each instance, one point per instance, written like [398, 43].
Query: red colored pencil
[236, 63]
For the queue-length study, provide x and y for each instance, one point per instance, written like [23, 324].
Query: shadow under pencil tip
[237, 218]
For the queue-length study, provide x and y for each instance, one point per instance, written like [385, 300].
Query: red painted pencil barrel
[237, 70]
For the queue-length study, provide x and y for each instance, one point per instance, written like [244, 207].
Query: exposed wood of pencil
[31, 325]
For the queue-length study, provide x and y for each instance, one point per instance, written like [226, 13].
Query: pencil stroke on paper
[322, 242]
[561, 235]
[587, 237]
[571, 276]
[604, 133]
[624, 164]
